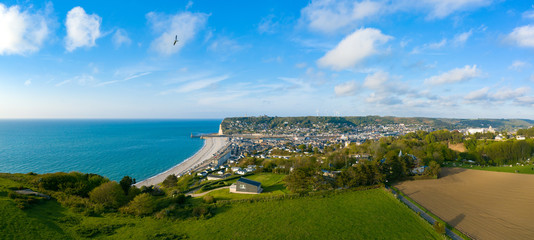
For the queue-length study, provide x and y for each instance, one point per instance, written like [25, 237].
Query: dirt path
[204, 193]
[482, 204]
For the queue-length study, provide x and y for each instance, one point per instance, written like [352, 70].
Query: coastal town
[263, 141]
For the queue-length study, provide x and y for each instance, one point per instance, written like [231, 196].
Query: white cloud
[376, 81]
[455, 75]
[63, 83]
[329, 16]
[506, 94]
[461, 38]
[225, 44]
[22, 31]
[518, 65]
[437, 45]
[433, 46]
[82, 29]
[522, 36]
[528, 14]
[479, 94]
[186, 25]
[353, 49]
[136, 75]
[500, 95]
[346, 89]
[28, 82]
[189, 5]
[197, 84]
[121, 38]
[442, 8]
[301, 65]
[268, 25]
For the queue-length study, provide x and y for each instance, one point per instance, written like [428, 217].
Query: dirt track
[483, 204]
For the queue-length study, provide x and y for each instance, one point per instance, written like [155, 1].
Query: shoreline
[210, 147]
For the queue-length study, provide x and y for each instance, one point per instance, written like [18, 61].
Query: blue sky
[433, 58]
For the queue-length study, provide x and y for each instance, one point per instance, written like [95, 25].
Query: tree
[141, 205]
[298, 181]
[170, 181]
[434, 168]
[109, 194]
[125, 183]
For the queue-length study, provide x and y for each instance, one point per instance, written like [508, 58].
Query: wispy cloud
[121, 38]
[63, 83]
[331, 16]
[123, 80]
[196, 85]
[518, 65]
[455, 75]
[346, 89]
[461, 38]
[186, 25]
[487, 94]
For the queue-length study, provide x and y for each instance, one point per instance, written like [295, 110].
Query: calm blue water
[112, 148]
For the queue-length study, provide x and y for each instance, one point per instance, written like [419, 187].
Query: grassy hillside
[526, 169]
[370, 214]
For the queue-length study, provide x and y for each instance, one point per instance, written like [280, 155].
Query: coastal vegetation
[373, 213]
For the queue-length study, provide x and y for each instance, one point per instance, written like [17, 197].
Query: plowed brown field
[482, 204]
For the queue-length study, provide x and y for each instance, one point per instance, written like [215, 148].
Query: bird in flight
[175, 40]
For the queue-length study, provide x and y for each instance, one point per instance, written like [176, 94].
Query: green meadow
[368, 214]
[526, 169]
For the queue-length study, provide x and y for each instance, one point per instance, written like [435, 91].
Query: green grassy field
[527, 169]
[369, 214]
[271, 183]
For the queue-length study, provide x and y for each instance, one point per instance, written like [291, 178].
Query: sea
[111, 148]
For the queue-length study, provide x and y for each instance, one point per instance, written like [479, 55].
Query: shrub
[439, 227]
[141, 205]
[209, 199]
[167, 236]
[201, 212]
[109, 194]
[170, 181]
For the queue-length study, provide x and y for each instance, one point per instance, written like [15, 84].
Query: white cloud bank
[329, 16]
[82, 29]
[442, 8]
[186, 25]
[346, 89]
[522, 36]
[353, 49]
[455, 75]
[21, 31]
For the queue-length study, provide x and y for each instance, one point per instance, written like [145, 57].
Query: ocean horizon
[139, 148]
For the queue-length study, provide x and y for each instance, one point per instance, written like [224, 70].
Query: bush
[201, 212]
[141, 205]
[89, 231]
[439, 227]
[167, 236]
[73, 183]
[109, 194]
[170, 181]
[209, 199]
